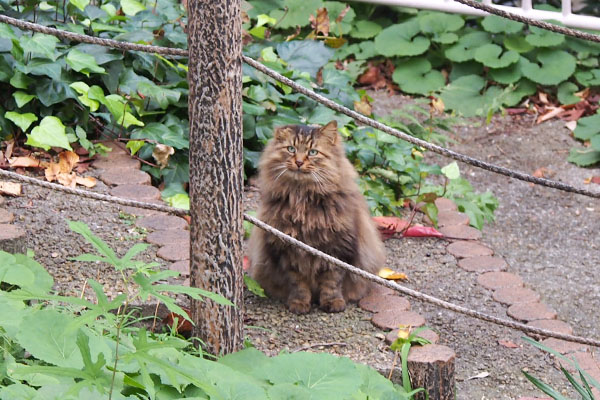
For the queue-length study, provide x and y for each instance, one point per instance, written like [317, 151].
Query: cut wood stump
[432, 367]
[13, 239]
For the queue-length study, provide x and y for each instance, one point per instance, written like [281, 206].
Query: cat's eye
[313, 152]
[291, 149]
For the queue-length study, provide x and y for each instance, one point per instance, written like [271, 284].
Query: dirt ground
[549, 238]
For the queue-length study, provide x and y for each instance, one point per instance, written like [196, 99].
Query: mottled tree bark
[216, 175]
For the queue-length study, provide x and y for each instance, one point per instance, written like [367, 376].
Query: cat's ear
[330, 132]
[282, 133]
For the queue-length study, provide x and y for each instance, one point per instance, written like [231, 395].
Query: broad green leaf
[587, 127]
[510, 74]
[544, 38]
[49, 133]
[120, 110]
[595, 142]
[496, 24]
[416, 76]
[6, 31]
[566, 93]
[254, 286]
[43, 67]
[305, 55]
[334, 9]
[464, 95]
[20, 80]
[464, 49]
[556, 67]
[588, 78]
[441, 26]
[81, 4]
[161, 95]
[23, 121]
[83, 63]
[131, 7]
[82, 88]
[451, 171]
[41, 44]
[22, 98]
[12, 273]
[162, 134]
[298, 13]
[524, 88]
[493, 56]
[517, 43]
[364, 29]
[584, 157]
[18, 391]
[50, 91]
[401, 40]
[135, 145]
[179, 200]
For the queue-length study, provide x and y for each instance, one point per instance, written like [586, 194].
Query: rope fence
[315, 96]
[317, 253]
[358, 117]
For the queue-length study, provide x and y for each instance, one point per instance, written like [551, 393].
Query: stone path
[389, 310]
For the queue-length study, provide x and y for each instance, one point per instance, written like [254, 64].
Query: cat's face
[303, 153]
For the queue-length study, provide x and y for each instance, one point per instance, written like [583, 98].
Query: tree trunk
[216, 175]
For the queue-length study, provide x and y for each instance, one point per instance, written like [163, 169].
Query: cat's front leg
[300, 295]
[331, 298]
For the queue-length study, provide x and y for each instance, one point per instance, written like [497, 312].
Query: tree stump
[432, 367]
[13, 239]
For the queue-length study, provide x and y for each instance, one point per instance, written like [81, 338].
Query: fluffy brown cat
[309, 191]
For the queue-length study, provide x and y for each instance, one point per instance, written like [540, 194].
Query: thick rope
[317, 253]
[315, 96]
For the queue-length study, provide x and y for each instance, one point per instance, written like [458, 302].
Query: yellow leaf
[67, 179]
[87, 181]
[403, 331]
[363, 106]
[67, 160]
[438, 105]
[335, 42]
[52, 171]
[388, 273]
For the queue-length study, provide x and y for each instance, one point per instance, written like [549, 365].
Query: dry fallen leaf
[403, 331]
[437, 105]
[10, 188]
[161, 154]
[24, 162]
[483, 374]
[51, 172]
[67, 160]
[320, 23]
[540, 172]
[388, 273]
[67, 179]
[592, 179]
[553, 112]
[508, 344]
[87, 181]
[571, 125]
[363, 106]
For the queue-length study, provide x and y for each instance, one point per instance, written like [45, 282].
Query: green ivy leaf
[556, 67]
[44, 67]
[496, 24]
[50, 91]
[544, 38]
[254, 286]
[365, 29]
[81, 4]
[490, 56]
[49, 133]
[82, 62]
[23, 121]
[401, 40]
[160, 133]
[22, 98]
[131, 7]
[160, 94]
[135, 145]
[20, 80]
[41, 44]
[416, 76]
[465, 49]
[179, 200]
[298, 13]
[566, 93]
[451, 171]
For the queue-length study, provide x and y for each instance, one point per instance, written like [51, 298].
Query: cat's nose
[299, 163]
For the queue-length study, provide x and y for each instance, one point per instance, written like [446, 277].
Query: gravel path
[548, 237]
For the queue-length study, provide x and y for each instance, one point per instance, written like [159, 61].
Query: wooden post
[432, 367]
[216, 169]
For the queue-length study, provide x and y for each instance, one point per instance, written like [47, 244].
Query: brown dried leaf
[363, 106]
[320, 23]
[9, 148]
[437, 104]
[371, 76]
[67, 179]
[51, 172]
[390, 274]
[10, 188]
[583, 93]
[87, 181]
[24, 162]
[541, 172]
[161, 154]
[543, 97]
[554, 111]
[67, 160]
[592, 179]
[571, 125]
[508, 344]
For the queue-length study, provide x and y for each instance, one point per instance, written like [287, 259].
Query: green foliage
[588, 130]
[61, 347]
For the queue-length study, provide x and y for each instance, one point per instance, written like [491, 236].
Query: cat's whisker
[281, 173]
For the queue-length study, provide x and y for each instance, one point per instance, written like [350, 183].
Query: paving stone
[586, 362]
[162, 222]
[122, 161]
[534, 398]
[428, 334]
[2, 200]
[444, 204]
[530, 311]
[499, 279]
[554, 325]
[391, 319]
[123, 176]
[143, 212]
[463, 249]
[169, 236]
[174, 252]
[115, 148]
[462, 232]
[382, 302]
[6, 217]
[446, 218]
[379, 289]
[515, 295]
[564, 347]
[136, 192]
[483, 264]
[183, 267]
[431, 353]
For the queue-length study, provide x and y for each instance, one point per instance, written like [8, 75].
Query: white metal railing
[565, 16]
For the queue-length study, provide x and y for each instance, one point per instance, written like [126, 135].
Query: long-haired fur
[309, 191]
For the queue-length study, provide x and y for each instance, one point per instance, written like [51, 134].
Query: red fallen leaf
[246, 263]
[596, 180]
[508, 344]
[371, 76]
[183, 325]
[388, 226]
[188, 218]
[422, 231]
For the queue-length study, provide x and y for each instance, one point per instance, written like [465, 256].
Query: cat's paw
[298, 306]
[334, 305]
